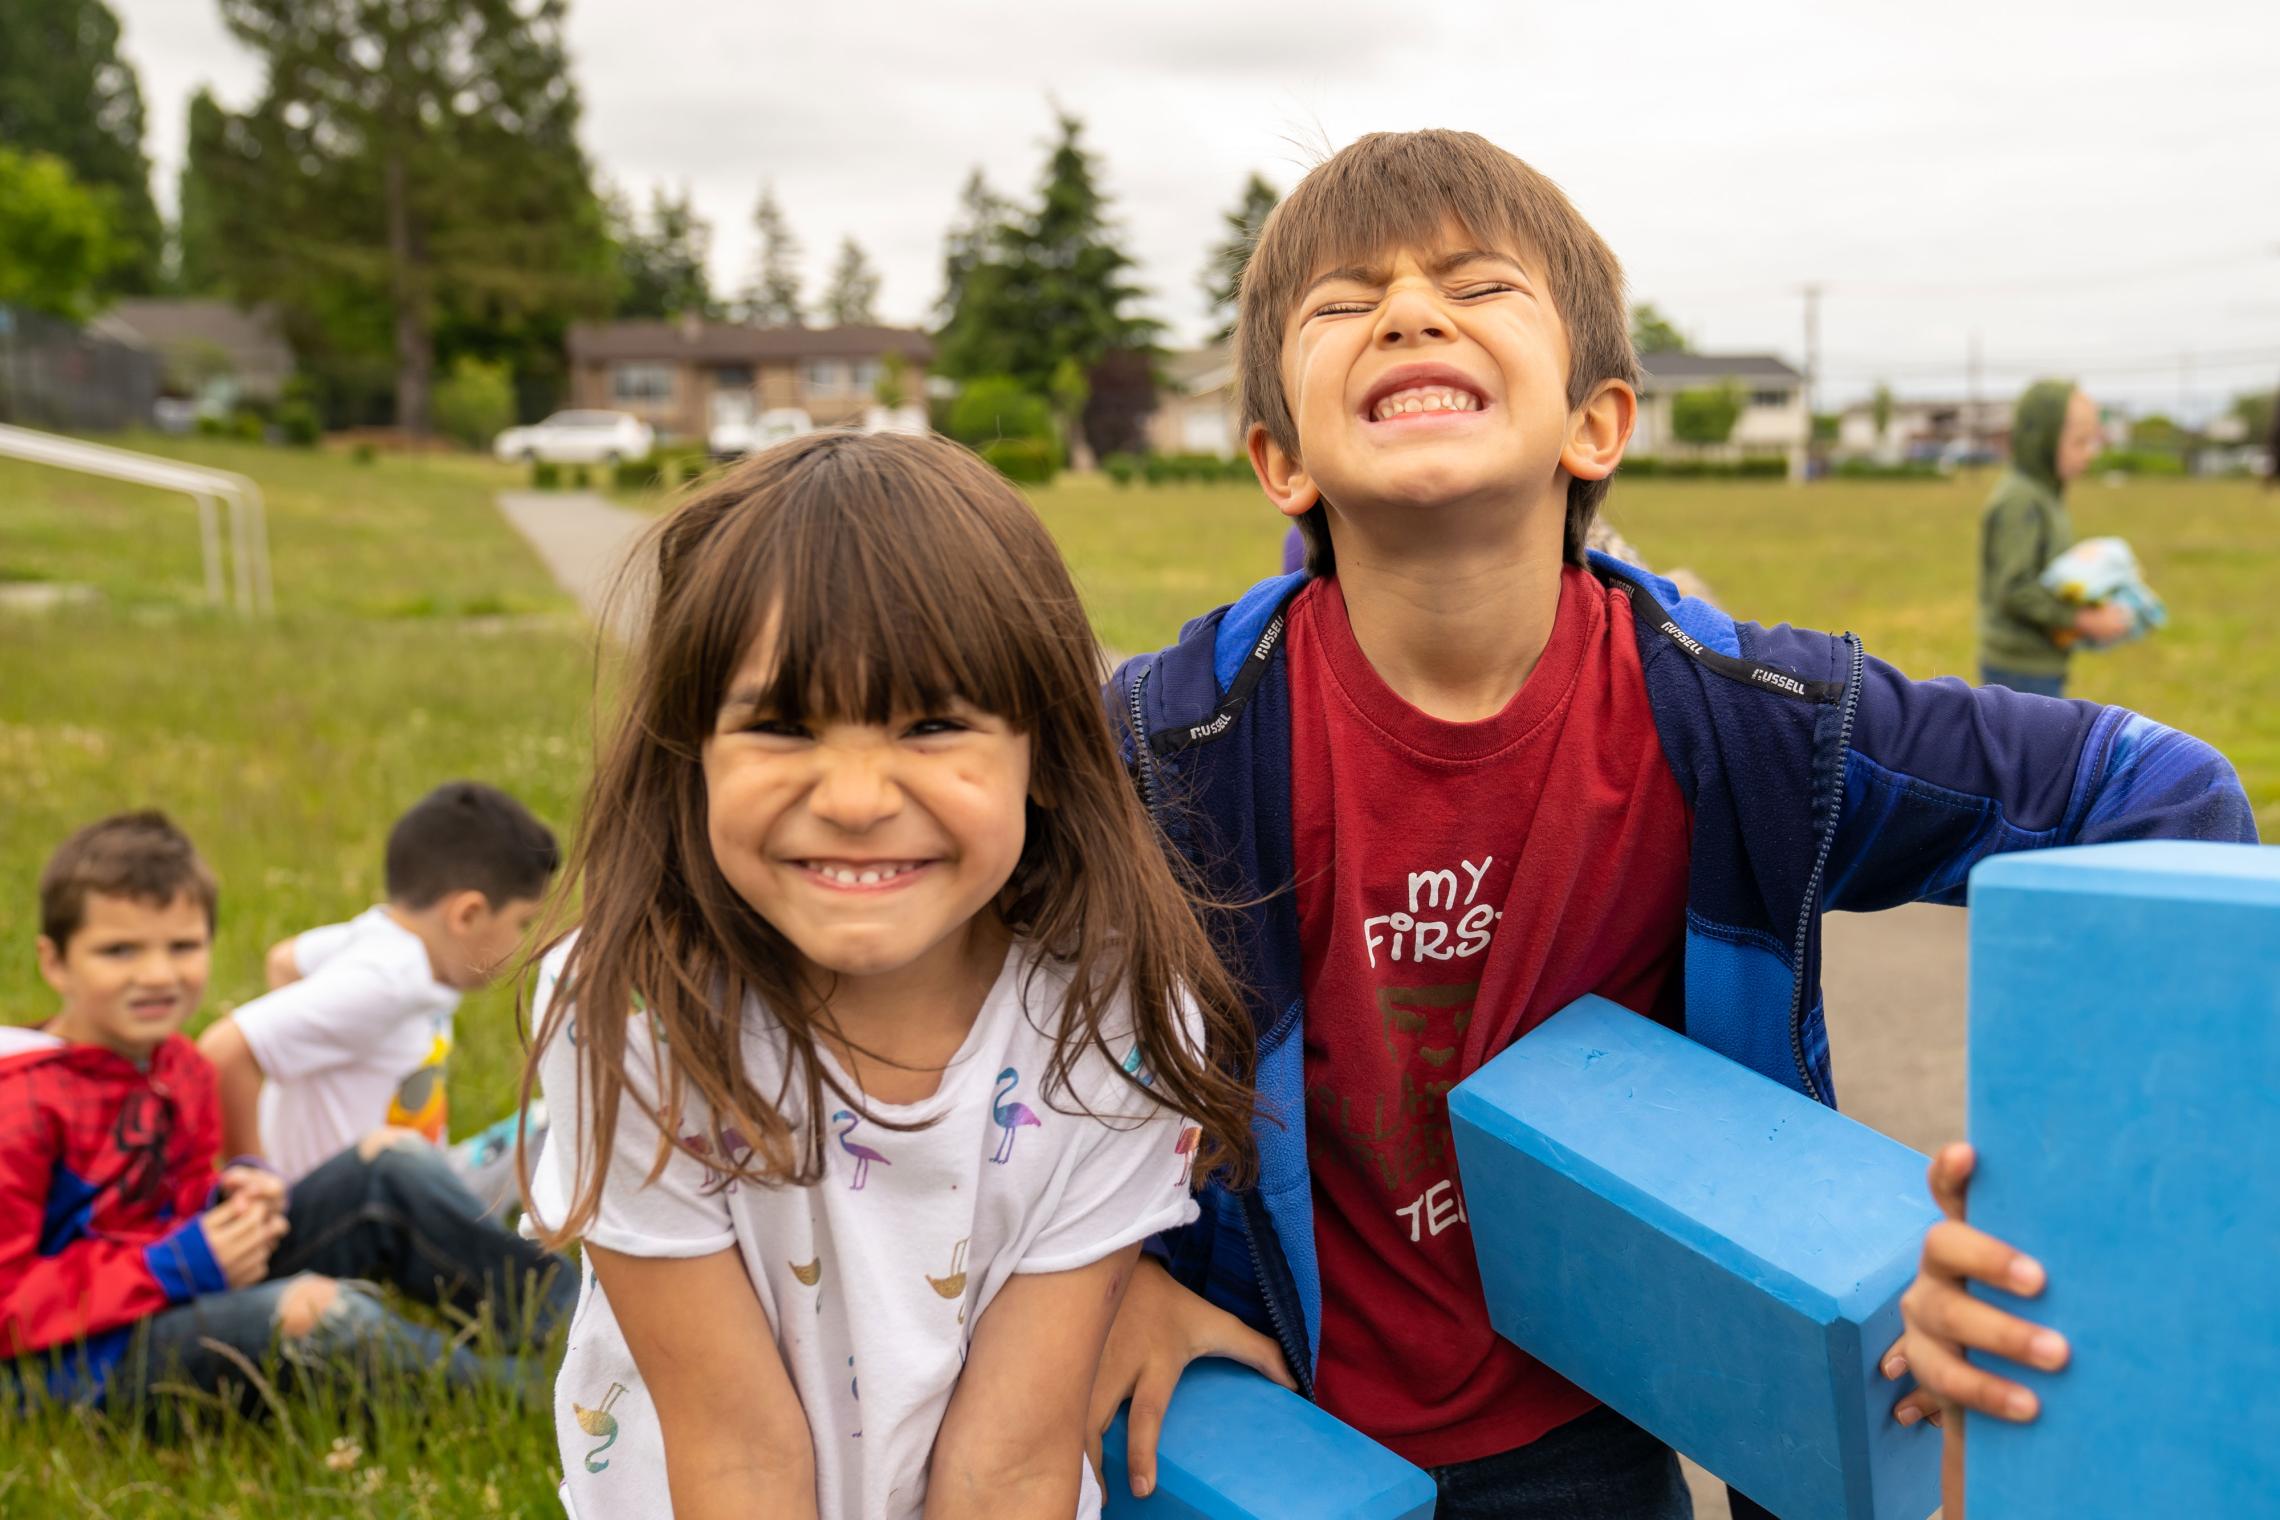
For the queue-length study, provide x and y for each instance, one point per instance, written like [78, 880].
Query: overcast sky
[2089, 188]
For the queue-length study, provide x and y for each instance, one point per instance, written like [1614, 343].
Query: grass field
[417, 639]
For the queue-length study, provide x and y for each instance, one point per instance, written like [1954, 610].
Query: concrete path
[584, 541]
[1894, 982]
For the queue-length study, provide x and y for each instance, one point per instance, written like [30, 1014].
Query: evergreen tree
[852, 298]
[662, 268]
[410, 181]
[1049, 286]
[1223, 271]
[65, 91]
[199, 260]
[772, 297]
[973, 240]
[1652, 332]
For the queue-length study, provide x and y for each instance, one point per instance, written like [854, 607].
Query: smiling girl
[879, 1048]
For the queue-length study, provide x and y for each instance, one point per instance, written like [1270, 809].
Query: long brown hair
[892, 573]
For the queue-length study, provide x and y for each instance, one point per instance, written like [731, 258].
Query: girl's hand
[1944, 1321]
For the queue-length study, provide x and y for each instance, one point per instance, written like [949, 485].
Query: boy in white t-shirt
[335, 1077]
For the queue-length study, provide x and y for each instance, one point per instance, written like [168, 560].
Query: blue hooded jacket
[1818, 778]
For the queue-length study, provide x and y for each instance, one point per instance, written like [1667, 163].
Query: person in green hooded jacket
[2025, 629]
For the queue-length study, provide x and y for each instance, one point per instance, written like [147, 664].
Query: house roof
[733, 343]
[1686, 369]
[1199, 371]
[250, 337]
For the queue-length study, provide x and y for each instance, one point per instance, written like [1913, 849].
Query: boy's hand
[1944, 1321]
[1159, 1329]
[241, 1236]
[2104, 622]
[259, 1189]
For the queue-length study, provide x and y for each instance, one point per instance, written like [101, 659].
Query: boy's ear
[464, 909]
[52, 969]
[1281, 476]
[1598, 429]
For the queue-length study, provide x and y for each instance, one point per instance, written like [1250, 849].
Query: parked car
[578, 438]
[732, 436]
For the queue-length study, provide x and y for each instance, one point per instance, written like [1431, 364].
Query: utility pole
[1971, 432]
[1812, 293]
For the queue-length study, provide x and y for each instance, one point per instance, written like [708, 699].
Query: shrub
[1121, 468]
[545, 476]
[1706, 413]
[1870, 469]
[475, 402]
[1748, 467]
[2137, 462]
[638, 474]
[1029, 461]
[245, 423]
[364, 453]
[210, 426]
[297, 424]
[995, 407]
[1236, 469]
[581, 478]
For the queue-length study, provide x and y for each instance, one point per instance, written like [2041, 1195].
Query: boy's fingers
[1917, 1406]
[1949, 1175]
[1955, 1317]
[1956, 1381]
[1238, 1342]
[1954, 1249]
[1895, 1359]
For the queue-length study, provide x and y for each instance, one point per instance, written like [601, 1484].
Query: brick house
[683, 377]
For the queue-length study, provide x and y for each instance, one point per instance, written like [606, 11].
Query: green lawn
[417, 639]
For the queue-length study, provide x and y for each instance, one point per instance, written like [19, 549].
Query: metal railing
[248, 553]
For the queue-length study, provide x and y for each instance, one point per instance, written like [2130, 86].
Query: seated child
[125, 1257]
[888, 1034]
[349, 1049]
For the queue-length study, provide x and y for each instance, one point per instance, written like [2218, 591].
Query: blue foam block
[2125, 1095]
[1718, 1258]
[1237, 1447]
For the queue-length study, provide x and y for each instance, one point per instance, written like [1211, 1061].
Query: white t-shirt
[874, 1278]
[361, 1040]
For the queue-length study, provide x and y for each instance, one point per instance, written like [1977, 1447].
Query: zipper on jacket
[1142, 760]
[1820, 869]
[1294, 1355]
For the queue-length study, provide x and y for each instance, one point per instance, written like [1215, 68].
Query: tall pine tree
[65, 91]
[661, 266]
[1223, 270]
[852, 297]
[1049, 285]
[973, 240]
[772, 296]
[417, 158]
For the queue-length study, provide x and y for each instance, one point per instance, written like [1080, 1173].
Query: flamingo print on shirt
[599, 1422]
[1010, 1116]
[863, 1154]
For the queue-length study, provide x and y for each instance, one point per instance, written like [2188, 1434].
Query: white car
[732, 436]
[578, 438]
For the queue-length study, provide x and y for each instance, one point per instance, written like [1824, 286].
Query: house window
[642, 382]
[1769, 398]
[825, 377]
[732, 377]
[866, 375]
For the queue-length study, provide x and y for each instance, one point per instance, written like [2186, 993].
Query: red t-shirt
[1458, 883]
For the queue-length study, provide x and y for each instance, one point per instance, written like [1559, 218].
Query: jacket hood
[2041, 417]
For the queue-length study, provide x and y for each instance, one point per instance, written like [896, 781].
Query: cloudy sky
[2087, 188]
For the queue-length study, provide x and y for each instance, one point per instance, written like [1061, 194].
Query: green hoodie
[2024, 528]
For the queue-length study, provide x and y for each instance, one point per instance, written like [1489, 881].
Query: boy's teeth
[1442, 400]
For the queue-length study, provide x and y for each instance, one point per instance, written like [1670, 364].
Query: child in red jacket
[124, 1255]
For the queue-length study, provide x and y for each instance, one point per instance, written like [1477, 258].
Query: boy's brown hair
[139, 855]
[1394, 190]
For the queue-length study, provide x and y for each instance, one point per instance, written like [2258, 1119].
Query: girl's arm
[1012, 1443]
[736, 1439]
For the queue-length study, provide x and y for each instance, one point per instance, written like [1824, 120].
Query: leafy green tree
[991, 407]
[1652, 332]
[852, 297]
[56, 243]
[2256, 413]
[1223, 270]
[661, 266]
[1051, 285]
[893, 388]
[1880, 410]
[1706, 414]
[772, 297]
[64, 90]
[409, 183]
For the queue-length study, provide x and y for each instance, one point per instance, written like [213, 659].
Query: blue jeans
[2018, 680]
[401, 1219]
[1598, 1466]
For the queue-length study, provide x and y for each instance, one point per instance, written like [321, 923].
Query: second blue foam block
[1237, 1447]
[1716, 1257]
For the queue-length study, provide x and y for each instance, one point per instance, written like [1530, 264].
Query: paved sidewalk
[584, 541]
